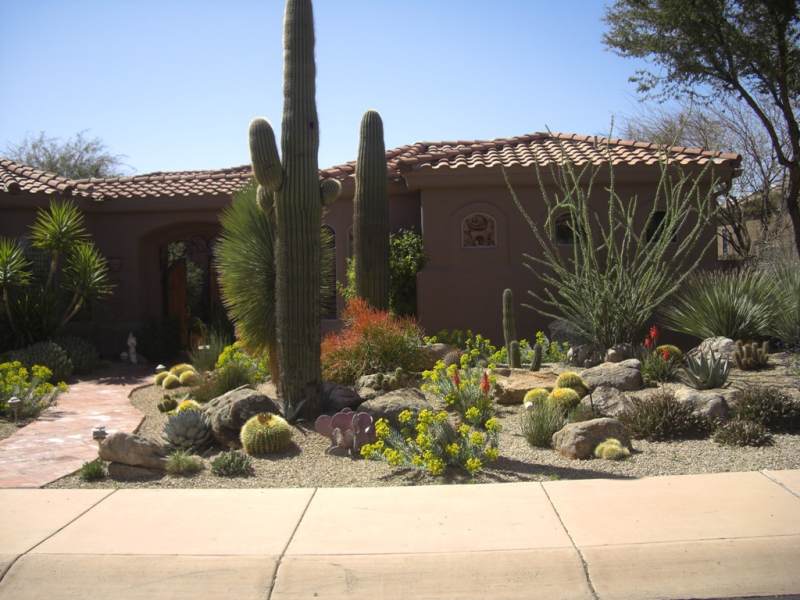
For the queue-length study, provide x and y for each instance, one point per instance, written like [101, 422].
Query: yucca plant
[618, 269]
[245, 259]
[734, 304]
[706, 371]
[72, 273]
[786, 325]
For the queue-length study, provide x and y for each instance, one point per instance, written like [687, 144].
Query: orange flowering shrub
[372, 341]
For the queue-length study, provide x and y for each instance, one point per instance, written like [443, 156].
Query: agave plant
[42, 296]
[706, 371]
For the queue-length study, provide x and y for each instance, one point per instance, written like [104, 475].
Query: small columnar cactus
[749, 357]
[514, 357]
[611, 449]
[188, 430]
[509, 325]
[565, 398]
[536, 361]
[573, 381]
[265, 433]
[371, 215]
[536, 396]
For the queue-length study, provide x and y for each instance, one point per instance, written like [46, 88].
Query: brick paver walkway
[60, 441]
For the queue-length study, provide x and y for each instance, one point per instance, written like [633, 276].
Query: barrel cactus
[189, 378]
[749, 357]
[536, 396]
[82, 353]
[47, 354]
[265, 433]
[167, 404]
[188, 405]
[611, 449]
[565, 398]
[160, 377]
[509, 327]
[170, 382]
[181, 368]
[292, 181]
[187, 430]
[571, 380]
[371, 215]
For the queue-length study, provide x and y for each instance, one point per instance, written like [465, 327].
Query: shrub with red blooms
[372, 341]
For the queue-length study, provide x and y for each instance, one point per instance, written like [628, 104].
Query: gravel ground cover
[307, 465]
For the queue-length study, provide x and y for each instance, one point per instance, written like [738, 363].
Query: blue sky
[173, 84]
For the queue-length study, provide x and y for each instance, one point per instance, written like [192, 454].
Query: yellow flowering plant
[466, 390]
[32, 386]
[429, 441]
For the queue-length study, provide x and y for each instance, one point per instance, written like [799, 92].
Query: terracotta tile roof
[528, 150]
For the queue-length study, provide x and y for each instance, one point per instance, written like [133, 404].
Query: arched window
[329, 272]
[478, 230]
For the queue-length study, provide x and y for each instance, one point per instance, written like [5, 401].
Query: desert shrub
[406, 258]
[787, 322]
[663, 417]
[539, 421]
[551, 351]
[204, 358]
[467, 391]
[770, 407]
[81, 353]
[659, 367]
[32, 386]
[616, 273]
[46, 354]
[235, 354]
[734, 304]
[372, 341]
[741, 432]
[429, 441]
[223, 380]
[232, 463]
[181, 462]
[159, 340]
[94, 470]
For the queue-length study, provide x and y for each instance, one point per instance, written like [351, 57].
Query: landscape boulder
[608, 401]
[619, 353]
[578, 440]
[229, 412]
[585, 355]
[336, 397]
[134, 450]
[721, 346]
[375, 384]
[122, 472]
[390, 405]
[709, 403]
[511, 389]
[625, 376]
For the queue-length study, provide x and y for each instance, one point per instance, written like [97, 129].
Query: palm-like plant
[38, 306]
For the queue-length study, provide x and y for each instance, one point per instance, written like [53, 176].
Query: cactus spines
[514, 357]
[536, 361]
[371, 215]
[611, 449]
[265, 433]
[509, 324]
[573, 381]
[293, 181]
[751, 356]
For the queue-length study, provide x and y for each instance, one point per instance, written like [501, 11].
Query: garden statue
[132, 348]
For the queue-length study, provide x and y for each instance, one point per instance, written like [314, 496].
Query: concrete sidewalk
[697, 536]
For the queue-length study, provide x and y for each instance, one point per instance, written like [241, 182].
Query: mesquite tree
[291, 187]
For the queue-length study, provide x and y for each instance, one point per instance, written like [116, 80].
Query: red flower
[456, 378]
[648, 343]
[665, 354]
[485, 383]
[654, 332]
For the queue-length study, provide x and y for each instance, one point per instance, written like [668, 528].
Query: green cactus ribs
[510, 329]
[371, 215]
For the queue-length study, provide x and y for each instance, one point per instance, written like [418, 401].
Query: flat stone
[721, 346]
[578, 440]
[229, 412]
[390, 405]
[67, 577]
[438, 351]
[121, 472]
[134, 450]
[619, 353]
[608, 401]
[336, 397]
[511, 389]
[625, 375]
[709, 403]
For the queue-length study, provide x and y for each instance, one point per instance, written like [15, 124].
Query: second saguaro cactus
[297, 198]
[371, 215]
[509, 327]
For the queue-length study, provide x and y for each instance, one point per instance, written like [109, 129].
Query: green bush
[204, 358]
[232, 463]
[662, 417]
[467, 391]
[235, 354]
[82, 353]
[770, 407]
[181, 462]
[406, 258]
[741, 432]
[658, 369]
[47, 354]
[733, 304]
[539, 422]
[94, 470]
[787, 322]
[32, 386]
[222, 381]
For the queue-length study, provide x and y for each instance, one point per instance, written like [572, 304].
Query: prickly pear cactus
[371, 215]
[292, 179]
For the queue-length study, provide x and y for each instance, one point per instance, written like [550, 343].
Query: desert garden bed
[306, 464]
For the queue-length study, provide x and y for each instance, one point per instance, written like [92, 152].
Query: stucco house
[453, 192]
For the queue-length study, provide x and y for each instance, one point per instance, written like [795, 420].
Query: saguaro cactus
[297, 198]
[371, 215]
[509, 324]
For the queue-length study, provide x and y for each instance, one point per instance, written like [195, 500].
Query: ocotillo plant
[509, 325]
[297, 196]
[371, 215]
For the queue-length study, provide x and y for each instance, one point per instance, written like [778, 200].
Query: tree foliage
[78, 157]
[742, 49]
